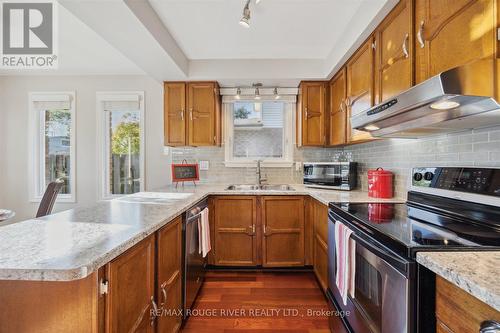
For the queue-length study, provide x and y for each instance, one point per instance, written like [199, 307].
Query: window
[258, 130]
[53, 143]
[121, 143]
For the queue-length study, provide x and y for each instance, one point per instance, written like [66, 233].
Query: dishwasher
[194, 263]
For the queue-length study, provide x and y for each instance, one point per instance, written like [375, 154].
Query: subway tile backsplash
[469, 148]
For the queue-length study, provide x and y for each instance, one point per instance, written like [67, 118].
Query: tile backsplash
[469, 148]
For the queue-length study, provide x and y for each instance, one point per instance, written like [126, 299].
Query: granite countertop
[70, 245]
[475, 272]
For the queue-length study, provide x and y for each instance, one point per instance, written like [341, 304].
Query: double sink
[242, 187]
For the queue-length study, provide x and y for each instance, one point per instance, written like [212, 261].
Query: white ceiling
[83, 51]
[280, 29]
[288, 40]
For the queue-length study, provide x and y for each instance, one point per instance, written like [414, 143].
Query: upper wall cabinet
[175, 114]
[450, 33]
[359, 98]
[311, 112]
[192, 114]
[394, 53]
[338, 109]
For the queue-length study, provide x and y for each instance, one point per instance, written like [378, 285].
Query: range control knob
[417, 176]
[428, 176]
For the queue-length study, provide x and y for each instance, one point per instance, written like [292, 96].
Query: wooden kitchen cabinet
[235, 226]
[338, 109]
[394, 52]
[283, 231]
[192, 114]
[169, 276]
[203, 123]
[458, 311]
[311, 113]
[359, 71]
[451, 33]
[131, 283]
[320, 252]
[175, 113]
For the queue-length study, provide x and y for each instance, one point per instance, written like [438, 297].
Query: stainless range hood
[454, 100]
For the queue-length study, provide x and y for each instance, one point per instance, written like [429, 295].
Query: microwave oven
[331, 175]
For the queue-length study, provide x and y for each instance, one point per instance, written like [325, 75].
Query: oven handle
[399, 263]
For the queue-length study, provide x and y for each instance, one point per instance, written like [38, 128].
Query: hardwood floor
[259, 302]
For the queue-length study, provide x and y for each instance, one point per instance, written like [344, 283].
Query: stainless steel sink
[276, 188]
[242, 187]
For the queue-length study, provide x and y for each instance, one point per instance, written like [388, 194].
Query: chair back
[49, 198]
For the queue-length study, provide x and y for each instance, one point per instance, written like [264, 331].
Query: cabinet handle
[182, 114]
[264, 226]
[420, 37]
[404, 47]
[154, 313]
[342, 103]
[307, 113]
[490, 326]
[191, 114]
[164, 293]
[253, 229]
[347, 101]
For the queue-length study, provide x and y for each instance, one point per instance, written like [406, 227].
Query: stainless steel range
[448, 209]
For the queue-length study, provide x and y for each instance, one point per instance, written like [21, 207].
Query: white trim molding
[105, 99]
[40, 102]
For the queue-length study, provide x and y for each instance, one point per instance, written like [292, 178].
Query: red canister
[380, 183]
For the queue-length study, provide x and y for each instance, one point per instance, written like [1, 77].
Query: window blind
[52, 102]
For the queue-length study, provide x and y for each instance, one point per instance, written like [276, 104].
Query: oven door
[323, 174]
[382, 298]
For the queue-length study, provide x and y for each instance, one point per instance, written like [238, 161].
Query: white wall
[14, 147]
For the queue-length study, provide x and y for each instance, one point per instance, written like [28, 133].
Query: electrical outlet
[166, 150]
[298, 166]
[204, 165]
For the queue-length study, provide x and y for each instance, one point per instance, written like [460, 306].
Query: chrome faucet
[259, 173]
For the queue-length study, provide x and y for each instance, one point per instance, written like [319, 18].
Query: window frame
[288, 133]
[103, 139]
[37, 150]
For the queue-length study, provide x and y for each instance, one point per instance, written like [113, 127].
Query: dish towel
[205, 245]
[345, 255]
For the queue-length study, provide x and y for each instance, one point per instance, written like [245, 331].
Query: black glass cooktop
[417, 227]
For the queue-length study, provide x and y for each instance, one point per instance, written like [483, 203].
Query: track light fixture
[245, 20]
[257, 86]
[238, 93]
[276, 95]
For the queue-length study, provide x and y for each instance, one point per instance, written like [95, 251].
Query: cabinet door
[321, 261]
[359, 88]
[283, 231]
[235, 223]
[338, 109]
[202, 114]
[394, 52]
[321, 243]
[131, 289]
[169, 276]
[450, 33]
[313, 113]
[175, 113]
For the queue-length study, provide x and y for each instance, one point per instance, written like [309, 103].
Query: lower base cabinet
[251, 231]
[169, 277]
[319, 213]
[131, 286]
[458, 311]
